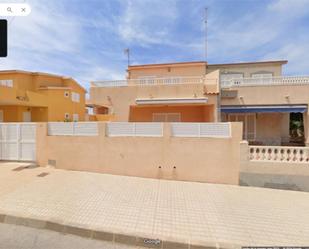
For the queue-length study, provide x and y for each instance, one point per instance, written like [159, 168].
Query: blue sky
[85, 39]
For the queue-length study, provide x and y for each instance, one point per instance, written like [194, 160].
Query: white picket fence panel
[139, 129]
[18, 141]
[73, 129]
[218, 130]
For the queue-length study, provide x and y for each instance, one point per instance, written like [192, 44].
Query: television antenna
[127, 52]
[205, 22]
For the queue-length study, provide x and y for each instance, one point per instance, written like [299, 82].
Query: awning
[264, 109]
[157, 101]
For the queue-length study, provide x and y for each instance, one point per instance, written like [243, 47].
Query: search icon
[14, 9]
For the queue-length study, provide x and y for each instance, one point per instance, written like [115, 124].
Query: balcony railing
[279, 154]
[149, 81]
[279, 81]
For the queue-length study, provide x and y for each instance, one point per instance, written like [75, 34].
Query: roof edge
[167, 64]
[282, 62]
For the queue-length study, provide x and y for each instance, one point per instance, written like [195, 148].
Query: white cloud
[146, 22]
[273, 27]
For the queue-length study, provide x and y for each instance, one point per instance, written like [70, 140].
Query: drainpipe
[219, 100]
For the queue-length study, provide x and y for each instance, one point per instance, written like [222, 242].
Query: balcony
[150, 81]
[271, 81]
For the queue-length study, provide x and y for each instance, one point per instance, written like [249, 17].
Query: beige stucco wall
[167, 70]
[248, 69]
[269, 95]
[119, 99]
[214, 160]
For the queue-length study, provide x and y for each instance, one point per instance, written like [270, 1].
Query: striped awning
[264, 109]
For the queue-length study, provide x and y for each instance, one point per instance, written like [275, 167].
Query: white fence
[281, 80]
[73, 129]
[140, 129]
[123, 129]
[18, 141]
[279, 154]
[149, 81]
[220, 130]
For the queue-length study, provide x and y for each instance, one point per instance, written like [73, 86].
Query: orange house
[169, 92]
[40, 97]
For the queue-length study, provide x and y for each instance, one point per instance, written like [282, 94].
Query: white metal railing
[139, 129]
[150, 81]
[73, 129]
[218, 130]
[281, 80]
[279, 154]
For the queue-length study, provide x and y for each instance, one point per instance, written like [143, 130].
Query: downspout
[219, 99]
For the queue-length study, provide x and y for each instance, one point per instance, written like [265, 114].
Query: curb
[127, 239]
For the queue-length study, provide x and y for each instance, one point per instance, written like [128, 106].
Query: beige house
[256, 93]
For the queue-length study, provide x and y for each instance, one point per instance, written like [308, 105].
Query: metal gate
[18, 141]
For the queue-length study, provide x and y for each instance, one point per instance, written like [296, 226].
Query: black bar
[3, 38]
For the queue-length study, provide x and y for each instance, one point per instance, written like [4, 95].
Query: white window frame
[6, 83]
[262, 77]
[67, 115]
[232, 77]
[75, 97]
[245, 124]
[166, 115]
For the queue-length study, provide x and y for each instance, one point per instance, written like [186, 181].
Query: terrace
[266, 81]
[150, 81]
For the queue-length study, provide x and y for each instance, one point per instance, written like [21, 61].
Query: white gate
[18, 141]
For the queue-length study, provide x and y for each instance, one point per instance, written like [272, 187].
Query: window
[66, 94]
[6, 83]
[262, 75]
[67, 116]
[166, 117]
[75, 117]
[249, 124]
[75, 97]
[225, 77]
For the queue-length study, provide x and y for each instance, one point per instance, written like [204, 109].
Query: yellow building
[40, 97]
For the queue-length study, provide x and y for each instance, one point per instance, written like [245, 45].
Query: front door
[26, 116]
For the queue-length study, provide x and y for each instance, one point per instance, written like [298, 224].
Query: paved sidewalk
[187, 212]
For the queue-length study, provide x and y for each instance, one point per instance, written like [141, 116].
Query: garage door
[18, 141]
